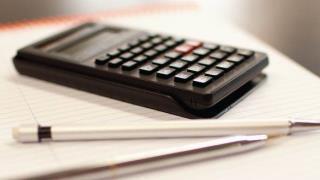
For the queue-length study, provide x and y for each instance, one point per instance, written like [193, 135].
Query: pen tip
[304, 125]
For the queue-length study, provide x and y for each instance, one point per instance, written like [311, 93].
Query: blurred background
[291, 26]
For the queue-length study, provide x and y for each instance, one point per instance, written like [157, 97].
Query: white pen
[173, 129]
[164, 158]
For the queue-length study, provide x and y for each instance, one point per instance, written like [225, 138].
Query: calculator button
[165, 37]
[115, 62]
[183, 48]
[172, 55]
[160, 48]
[218, 55]
[225, 65]
[178, 40]
[114, 53]
[190, 58]
[151, 53]
[146, 45]
[202, 81]
[246, 53]
[214, 72]
[102, 60]
[134, 43]
[153, 35]
[127, 56]
[144, 38]
[210, 46]
[194, 44]
[140, 58]
[207, 61]
[129, 65]
[136, 50]
[156, 40]
[178, 64]
[201, 51]
[124, 47]
[183, 76]
[148, 69]
[196, 68]
[236, 58]
[227, 49]
[160, 61]
[166, 72]
[170, 43]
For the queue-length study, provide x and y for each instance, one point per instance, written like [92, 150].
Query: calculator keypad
[180, 60]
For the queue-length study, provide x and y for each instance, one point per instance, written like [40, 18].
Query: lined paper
[290, 91]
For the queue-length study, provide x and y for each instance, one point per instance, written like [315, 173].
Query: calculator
[182, 76]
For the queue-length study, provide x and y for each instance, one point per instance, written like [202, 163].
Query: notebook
[290, 91]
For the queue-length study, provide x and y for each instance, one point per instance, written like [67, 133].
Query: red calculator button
[194, 44]
[183, 48]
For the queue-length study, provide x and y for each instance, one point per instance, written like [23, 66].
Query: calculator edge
[134, 95]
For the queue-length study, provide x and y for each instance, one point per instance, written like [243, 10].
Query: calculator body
[185, 77]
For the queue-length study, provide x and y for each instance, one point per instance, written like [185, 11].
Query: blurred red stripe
[128, 11]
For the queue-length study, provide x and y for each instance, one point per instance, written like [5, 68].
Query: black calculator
[185, 77]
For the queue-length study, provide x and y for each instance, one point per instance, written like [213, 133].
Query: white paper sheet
[290, 91]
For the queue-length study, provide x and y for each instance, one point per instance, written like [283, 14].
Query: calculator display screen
[90, 46]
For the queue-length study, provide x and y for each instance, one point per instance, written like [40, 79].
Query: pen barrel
[183, 155]
[177, 129]
[164, 158]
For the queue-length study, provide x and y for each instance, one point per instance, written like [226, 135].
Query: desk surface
[290, 91]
